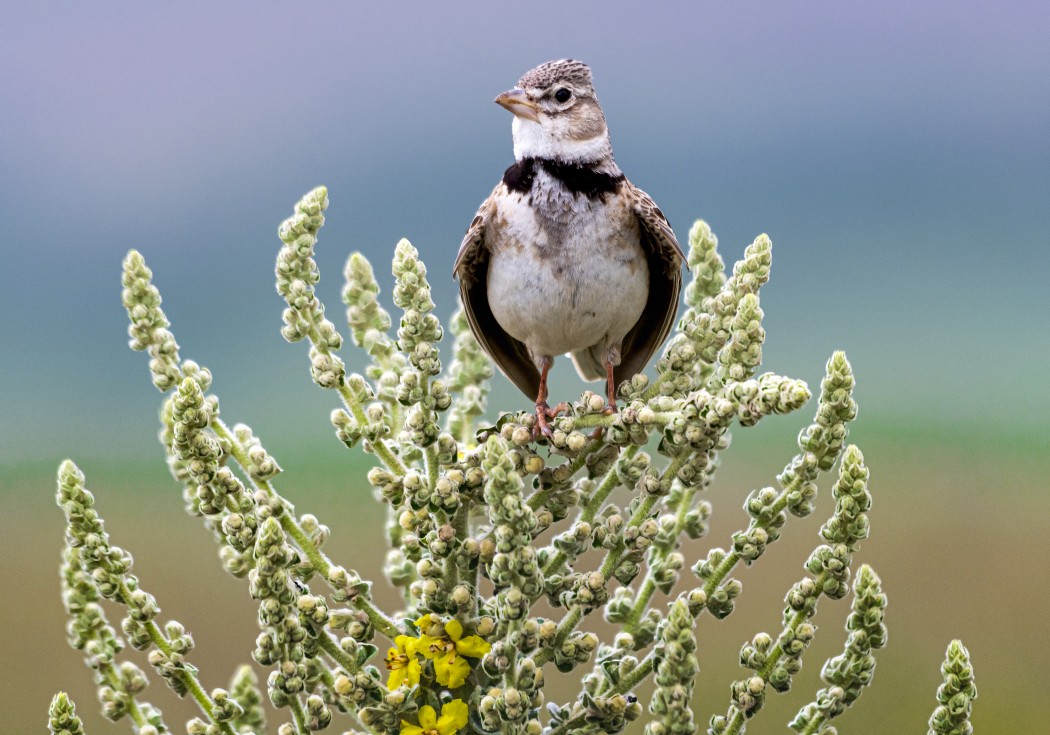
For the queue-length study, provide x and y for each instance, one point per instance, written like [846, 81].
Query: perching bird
[566, 255]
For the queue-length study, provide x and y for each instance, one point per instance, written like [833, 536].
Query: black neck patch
[520, 175]
[577, 178]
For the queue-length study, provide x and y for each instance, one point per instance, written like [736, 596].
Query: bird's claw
[544, 413]
[609, 410]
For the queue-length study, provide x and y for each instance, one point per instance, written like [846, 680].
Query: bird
[566, 256]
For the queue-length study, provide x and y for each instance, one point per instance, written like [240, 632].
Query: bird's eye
[562, 95]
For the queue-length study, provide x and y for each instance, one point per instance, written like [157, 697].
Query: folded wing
[665, 259]
[472, 267]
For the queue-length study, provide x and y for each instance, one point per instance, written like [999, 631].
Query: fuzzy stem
[569, 726]
[593, 420]
[654, 388]
[612, 559]
[461, 524]
[113, 679]
[777, 651]
[608, 484]
[379, 447]
[648, 589]
[609, 564]
[733, 557]
[736, 723]
[327, 642]
[539, 497]
[814, 725]
[318, 560]
[298, 715]
[187, 675]
[641, 604]
[432, 466]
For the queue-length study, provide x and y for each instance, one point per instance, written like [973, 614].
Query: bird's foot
[609, 410]
[544, 413]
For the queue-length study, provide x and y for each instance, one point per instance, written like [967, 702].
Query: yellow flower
[453, 717]
[447, 650]
[402, 662]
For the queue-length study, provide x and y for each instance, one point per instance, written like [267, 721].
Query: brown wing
[665, 282]
[472, 268]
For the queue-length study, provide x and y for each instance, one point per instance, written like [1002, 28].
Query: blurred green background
[897, 154]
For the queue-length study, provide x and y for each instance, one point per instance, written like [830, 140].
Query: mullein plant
[487, 527]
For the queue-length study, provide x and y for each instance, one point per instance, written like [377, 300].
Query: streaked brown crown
[571, 71]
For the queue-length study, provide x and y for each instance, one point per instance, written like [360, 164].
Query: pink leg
[543, 411]
[610, 385]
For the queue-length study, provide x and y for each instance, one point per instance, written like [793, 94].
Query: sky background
[897, 153]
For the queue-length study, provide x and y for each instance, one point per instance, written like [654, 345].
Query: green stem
[327, 642]
[378, 619]
[736, 722]
[388, 458]
[635, 677]
[186, 675]
[538, 498]
[721, 572]
[569, 725]
[641, 603]
[654, 387]
[204, 701]
[394, 411]
[109, 672]
[590, 510]
[465, 435]
[778, 650]
[461, 525]
[614, 556]
[612, 560]
[645, 594]
[133, 706]
[608, 484]
[574, 465]
[379, 447]
[432, 467]
[565, 627]
[731, 559]
[298, 715]
[593, 420]
[290, 524]
[814, 725]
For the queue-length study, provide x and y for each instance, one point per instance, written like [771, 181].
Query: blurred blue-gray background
[898, 154]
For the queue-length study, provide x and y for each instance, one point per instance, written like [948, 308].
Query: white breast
[566, 273]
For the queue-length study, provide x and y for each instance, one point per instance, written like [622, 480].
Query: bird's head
[557, 115]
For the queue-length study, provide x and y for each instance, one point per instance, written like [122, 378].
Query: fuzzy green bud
[62, 716]
[676, 672]
[955, 695]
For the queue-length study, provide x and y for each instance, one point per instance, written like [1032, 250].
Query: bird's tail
[590, 363]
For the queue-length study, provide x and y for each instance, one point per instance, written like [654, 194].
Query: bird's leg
[543, 411]
[610, 386]
[610, 392]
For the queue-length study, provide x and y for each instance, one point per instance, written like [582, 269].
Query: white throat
[531, 139]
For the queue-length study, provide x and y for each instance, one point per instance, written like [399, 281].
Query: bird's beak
[518, 103]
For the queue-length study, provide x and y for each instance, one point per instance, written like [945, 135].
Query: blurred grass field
[958, 538]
